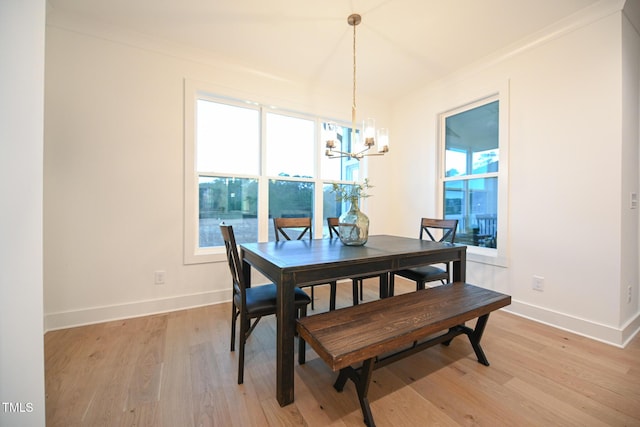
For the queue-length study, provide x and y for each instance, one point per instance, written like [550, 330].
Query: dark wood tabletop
[292, 263]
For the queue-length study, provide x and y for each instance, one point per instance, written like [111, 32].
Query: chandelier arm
[332, 153]
[363, 151]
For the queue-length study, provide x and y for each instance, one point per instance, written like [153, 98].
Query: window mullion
[318, 199]
[263, 186]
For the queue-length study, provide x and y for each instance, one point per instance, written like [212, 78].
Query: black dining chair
[437, 230]
[251, 303]
[333, 223]
[297, 229]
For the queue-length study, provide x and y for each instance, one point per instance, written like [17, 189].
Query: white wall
[21, 151]
[630, 172]
[565, 160]
[114, 168]
[113, 171]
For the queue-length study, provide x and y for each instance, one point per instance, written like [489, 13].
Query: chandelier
[369, 134]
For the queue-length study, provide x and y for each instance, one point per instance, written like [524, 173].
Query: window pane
[290, 199]
[227, 138]
[232, 200]
[474, 203]
[472, 141]
[342, 168]
[455, 162]
[330, 208]
[290, 144]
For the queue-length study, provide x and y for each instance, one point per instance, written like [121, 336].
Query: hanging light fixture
[369, 134]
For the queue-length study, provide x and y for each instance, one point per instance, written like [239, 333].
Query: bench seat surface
[350, 335]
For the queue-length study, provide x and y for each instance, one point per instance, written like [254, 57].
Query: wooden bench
[375, 334]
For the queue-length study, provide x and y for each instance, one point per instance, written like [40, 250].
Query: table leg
[460, 266]
[246, 270]
[286, 324]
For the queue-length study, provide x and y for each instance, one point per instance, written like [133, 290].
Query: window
[228, 199]
[246, 164]
[472, 176]
[290, 146]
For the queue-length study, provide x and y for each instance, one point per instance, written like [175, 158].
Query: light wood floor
[176, 370]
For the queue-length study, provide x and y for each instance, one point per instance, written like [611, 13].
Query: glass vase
[354, 226]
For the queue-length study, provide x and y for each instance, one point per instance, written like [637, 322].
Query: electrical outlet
[537, 284]
[159, 277]
[629, 294]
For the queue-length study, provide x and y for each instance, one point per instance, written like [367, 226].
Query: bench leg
[362, 381]
[343, 376]
[447, 342]
[476, 336]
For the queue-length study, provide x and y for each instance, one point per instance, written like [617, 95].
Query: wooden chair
[253, 302]
[438, 230]
[297, 229]
[333, 224]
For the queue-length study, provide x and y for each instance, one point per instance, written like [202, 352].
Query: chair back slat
[235, 264]
[283, 227]
[334, 227]
[445, 226]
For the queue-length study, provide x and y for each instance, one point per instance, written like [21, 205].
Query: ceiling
[401, 44]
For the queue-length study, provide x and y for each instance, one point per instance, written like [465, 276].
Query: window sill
[486, 256]
[201, 256]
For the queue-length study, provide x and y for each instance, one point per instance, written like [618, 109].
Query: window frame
[492, 256]
[194, 90]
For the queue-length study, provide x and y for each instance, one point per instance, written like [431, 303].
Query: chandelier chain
[353, 103]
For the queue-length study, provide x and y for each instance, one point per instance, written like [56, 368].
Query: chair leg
[312, 297]
[354, 290]
[234, 318]
[332, 296]
[244, 326]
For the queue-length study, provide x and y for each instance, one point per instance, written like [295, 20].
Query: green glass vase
[354, 226]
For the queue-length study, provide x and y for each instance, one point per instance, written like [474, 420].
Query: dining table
[302, 262]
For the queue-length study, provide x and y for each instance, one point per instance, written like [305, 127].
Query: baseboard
[608, 334]
[618, 337]
[87, 316]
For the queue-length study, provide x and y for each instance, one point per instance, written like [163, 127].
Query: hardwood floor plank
[448, 387]
[316, 378]
[560, 412]
[144, 415]
[395, 403]
[553, 387]
[176, 369]
[567, 374]
[277, 416]
[176, 395]
[312, 379]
